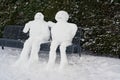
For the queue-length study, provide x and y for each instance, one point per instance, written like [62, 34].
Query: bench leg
[2, 47]
[79, 51]
[79, 54]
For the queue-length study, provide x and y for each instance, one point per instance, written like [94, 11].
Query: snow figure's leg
[25, 52]
[34, 52]
[64, 60]
[52, 54]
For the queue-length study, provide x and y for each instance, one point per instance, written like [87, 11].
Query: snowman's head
[39, 16]
[62, 16]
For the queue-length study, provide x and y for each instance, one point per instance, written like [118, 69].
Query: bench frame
[17, 38]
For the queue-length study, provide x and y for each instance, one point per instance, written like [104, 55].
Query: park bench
[14, 37]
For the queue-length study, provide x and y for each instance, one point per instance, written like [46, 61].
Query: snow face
[84, 68]
[39, 16]
[38, 33]
[62, 34]
[62, 16]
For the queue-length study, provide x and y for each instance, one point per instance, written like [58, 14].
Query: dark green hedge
[100, 19]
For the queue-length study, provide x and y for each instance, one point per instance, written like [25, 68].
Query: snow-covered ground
[86, 68]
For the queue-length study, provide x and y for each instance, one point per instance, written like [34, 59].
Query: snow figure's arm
[74, 30]
[26, 28]
[51, 24]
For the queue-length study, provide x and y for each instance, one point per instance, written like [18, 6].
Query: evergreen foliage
[100, 19]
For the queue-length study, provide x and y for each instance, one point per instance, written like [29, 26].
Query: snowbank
[86, 68]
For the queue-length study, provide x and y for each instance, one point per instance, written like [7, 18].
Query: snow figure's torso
[39, 30]
[63, 31]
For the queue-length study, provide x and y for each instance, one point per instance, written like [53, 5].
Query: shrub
[100, 19]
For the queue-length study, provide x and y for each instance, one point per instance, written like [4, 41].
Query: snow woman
[38, 33]
[62, 35]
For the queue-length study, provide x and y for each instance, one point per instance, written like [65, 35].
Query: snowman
[38, 33]
[63, 33]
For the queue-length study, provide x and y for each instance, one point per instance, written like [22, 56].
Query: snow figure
[38, 33]
[62, 35]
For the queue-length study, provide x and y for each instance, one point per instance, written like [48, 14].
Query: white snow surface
[85, 68]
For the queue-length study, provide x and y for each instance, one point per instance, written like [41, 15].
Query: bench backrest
[76, 39]
[14, 32]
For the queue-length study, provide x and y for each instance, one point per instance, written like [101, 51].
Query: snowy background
[85, 68]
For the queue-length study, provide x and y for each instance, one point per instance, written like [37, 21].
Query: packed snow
[85, 68]
[63, 39]
[38, 33]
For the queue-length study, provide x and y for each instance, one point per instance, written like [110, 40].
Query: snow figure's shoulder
[45, 22]
[51, 24]
[72, 25]
[30, 22]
